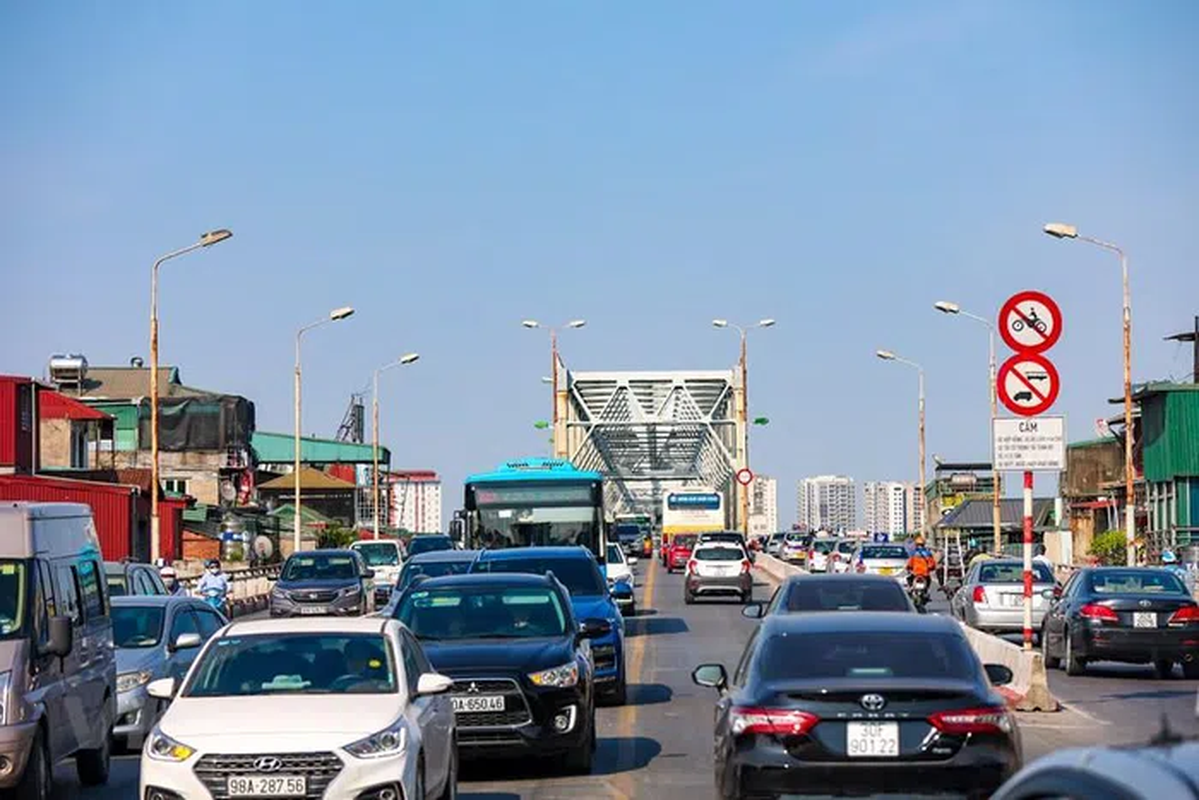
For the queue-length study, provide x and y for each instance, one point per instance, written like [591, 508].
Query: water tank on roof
[68, 370]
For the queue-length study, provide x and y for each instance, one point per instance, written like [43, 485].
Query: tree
[1110, 548]
[335, 537]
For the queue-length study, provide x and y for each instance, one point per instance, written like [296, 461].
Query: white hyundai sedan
[333, 708]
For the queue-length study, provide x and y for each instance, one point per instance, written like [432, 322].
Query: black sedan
[1137, 615]
[524, 683]
[860, 703]
[803, 593]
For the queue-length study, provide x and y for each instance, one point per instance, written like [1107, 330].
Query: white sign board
[1036, 444]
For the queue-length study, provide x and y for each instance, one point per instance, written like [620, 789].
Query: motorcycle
[919, 593]
[217, 598]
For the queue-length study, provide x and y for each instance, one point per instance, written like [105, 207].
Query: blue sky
[452, 168]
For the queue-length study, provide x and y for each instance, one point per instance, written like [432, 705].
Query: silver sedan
[992, 597]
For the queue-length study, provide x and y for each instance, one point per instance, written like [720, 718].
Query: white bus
[691, 511]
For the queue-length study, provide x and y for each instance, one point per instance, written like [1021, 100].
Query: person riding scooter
[921, 566]
[213, 586]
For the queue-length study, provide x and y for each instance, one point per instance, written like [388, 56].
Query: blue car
[590, 598]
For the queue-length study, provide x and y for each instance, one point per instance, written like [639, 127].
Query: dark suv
[324, 583]
[131, 577]
[523, 680]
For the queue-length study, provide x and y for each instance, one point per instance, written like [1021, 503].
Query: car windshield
[433, 569]
[992, 572]
[846, 594]
[579, 575]
[428, 544]
[625, 533]
[320, 568]
[483, 612]
[718, 554]
[294, 663]
[845, 547]
[615, 554]
[860, 654]
[12, 598]
[136, 626]
[379, 554]
[721, 537]
[116, 584]
[795, 537]
[1136, 582]
[890, 551]
[823, 546]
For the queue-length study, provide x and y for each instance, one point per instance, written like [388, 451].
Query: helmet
[212, 563]
[1168, 557]
[167, 572]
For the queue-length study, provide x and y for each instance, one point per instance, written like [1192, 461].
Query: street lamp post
[1060, 230]
[887, 355]
[206, 240]
[946, 307]
[404, 360]
[335, 315]
[574, 323]
[743, 411]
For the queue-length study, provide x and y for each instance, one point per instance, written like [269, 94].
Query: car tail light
[980, 596]
[771, 721]
[1186, 615]
[1096, 611]
[745, 567]
[861, 567]
[692, 568]
[972, 720]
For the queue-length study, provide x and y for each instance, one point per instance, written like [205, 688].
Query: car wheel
[419, 783]
[92, 766]
[620, 695]
[579, 760]
[35, 783]
[1074, 664]
[1163, 669]
[450, 792]
[688, 598]
[1050, 661]
[1190, 670]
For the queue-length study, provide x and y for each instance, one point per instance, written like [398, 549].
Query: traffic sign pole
[1028, 559]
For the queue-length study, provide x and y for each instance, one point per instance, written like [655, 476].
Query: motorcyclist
[922, 562]
[213, 579]
[170, 579]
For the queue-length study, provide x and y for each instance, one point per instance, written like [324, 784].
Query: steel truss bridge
[652, 432]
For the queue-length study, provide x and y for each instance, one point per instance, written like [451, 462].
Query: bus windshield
[528, 511]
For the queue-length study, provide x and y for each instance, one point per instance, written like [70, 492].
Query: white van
[386, 558]
[57, 665]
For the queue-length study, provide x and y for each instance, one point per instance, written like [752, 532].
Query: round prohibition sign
[1030, 322]
[1028, 384]
[745, 476]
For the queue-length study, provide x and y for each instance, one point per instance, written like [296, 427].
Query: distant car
[429, 542]
[618, 570]
[132, 578]
[718, 568]
[678, 552]
[860, 704]
[323, 583]
[590, 598]
[1138, 615]
[154, 636]
[386, 558]
[794, 549]
[992, 597]
[629, 537]
[881, 559]
[1129, 773]
[434, 564]
[523, 675]
[843, 555]
[774, 543]
[807, 593]
[820, 554]
[313, 708]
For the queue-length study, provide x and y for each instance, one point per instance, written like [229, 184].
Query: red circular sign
[1030, 322]
[745, 477]
[1028, 384]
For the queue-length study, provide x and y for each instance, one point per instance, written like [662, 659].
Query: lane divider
[635, 648]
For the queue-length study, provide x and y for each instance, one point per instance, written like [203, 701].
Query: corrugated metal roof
[1170, 431]
[279, 448]
[130, 383]
[53, 405]
[976, 514]
[310, 479]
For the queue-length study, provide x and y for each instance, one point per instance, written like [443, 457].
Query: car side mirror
[187, 641]
[632, 561]
[1049, 594]
[61, 634]
[711, 675]
[622, 590]
[370, 573]
[1057, 593]
[161, 689]
[998, 674]
[432, 683]
[594, 628]
[753, 611]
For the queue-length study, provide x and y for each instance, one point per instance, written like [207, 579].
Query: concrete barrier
[249, 588]
[776, 568]
[1029, 689]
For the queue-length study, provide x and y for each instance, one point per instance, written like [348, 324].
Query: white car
[820, 555]
[619, 569]
[386, 558]
[843, 555]
[335, 708]
[882, 559]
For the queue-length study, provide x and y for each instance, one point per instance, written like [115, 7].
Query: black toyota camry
[860, 703]
[522, 670]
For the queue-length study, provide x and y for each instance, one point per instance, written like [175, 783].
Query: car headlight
[387, 742]
[128, 681]
[161, 747]
[559, 677]
[350, 591]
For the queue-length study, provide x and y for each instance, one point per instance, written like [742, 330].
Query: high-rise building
[416, 500]
[763, 505]
[828, 502]
[891, 507]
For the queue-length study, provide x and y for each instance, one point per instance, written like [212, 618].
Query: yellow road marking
[635, 659]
